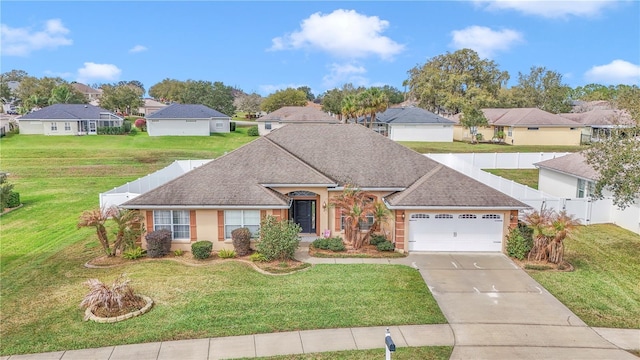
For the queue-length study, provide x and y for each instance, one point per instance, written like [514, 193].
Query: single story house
[598, 123]
[68, 119]
[571, 177]
[523, 126]
[293, 115]
[150, 106]
[187, 120]
[295, 171]
[413, 124]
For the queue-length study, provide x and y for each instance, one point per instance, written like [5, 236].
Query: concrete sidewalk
[485, 298]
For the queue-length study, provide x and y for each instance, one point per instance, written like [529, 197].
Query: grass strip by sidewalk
[401, 353]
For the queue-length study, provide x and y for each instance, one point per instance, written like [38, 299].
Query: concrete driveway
[497, 311]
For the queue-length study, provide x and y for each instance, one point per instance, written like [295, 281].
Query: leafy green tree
[450, 82]
[617, 158]
[125, 99]
[286, 97]
[307, 91]
[248, 103]
[37, 91]
[542, 89]
[65, 94]
[167, 90]
[332, 101]
[471, 119]
[5, 191]
[394, 95]
[594, 92]
[14, 75]
[214, 95]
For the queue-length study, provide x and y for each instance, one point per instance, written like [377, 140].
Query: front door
[304, 215]
[92, 127]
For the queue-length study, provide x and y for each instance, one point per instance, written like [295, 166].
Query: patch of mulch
[533, 265]
[127, 307]
[366, 251]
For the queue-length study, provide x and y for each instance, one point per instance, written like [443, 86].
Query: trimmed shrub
[518, 245]
[278, 239]
[133, 132]
[141, 124]
[385, 246]
[241, 238]
[226, 254]
[14, 200]
[201, 249]
[335, 244]
[257, 257]
[377, 239]
[126, 126]
[320, 243]
[158, 243]
[133, 253]
[253, 131]
[178, 252]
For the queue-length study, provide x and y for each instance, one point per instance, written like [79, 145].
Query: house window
[419, 216]
[467, 216]
[585, 188]
[176, 221]
[510, 131]
[234, 219]
[444, 216]
[364, 225]
[491, 216]
[67, 126]
[190, 120]
[219, 125]
[267, 126]
[54, 126]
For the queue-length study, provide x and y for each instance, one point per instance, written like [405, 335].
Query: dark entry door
[303, 215]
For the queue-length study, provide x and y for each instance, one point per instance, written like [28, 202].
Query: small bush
[178, 252]
[141, 124]
[253, 131]
[226, 254]
[126, 126]
[518, 246]
[241, 238]
[278, 239]
[385, 246]
[201, 249]
[377, 239]
[257, 257]
[14, 200]
[110, 298]
[133, 132]
[158, 243]
[335, 244]
[133, 253]
[321, 243]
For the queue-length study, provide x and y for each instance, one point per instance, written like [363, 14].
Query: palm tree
[60, 95]
[349, 108]
[130, 228]
[97, 218]
[355, 205]
[549, 231]
[372, 101]
[380, 215]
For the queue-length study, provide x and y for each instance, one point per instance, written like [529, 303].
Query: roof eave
[203, 207]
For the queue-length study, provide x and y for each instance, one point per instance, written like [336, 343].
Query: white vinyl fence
[587, 211]
[130, 190]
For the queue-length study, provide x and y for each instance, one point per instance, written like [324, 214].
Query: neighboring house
[90, 93]
[150, 106]
[598, 123]
[571, 177]
[187, 120]
[68, 119]
[413, 124]
[293, 115]
[523, 126]
[293, 172]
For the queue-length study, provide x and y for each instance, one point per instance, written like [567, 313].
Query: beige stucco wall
[60, 131]
[546, 136]
[31, 127]
[460, 133]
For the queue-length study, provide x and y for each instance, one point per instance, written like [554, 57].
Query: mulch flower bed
[128, 307]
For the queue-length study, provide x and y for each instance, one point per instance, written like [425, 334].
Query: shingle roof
[299, 114]
[186, 111]
[522, 117]
[326, 155]
[86, 89]
[411, 115]
[67, 112]
[601, 117]
[573, 164]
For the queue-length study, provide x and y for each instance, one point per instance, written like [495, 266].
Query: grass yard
[604, 289]
[401, 353]
[527, 177]
[464, 147]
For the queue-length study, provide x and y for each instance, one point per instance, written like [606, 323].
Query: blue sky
[265, 46]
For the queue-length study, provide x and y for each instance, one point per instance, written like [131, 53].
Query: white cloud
[92, 72]
[23, 41]
[343, 33]
[615, 73]
[340, 74]
[484, 41]
[138, 48]
[549, 9]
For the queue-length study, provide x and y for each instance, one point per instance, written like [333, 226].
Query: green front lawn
[464, 147]
[604, 289]
[527, 177]
[401, 353]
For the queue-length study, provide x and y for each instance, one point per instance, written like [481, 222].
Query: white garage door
[455, 232]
